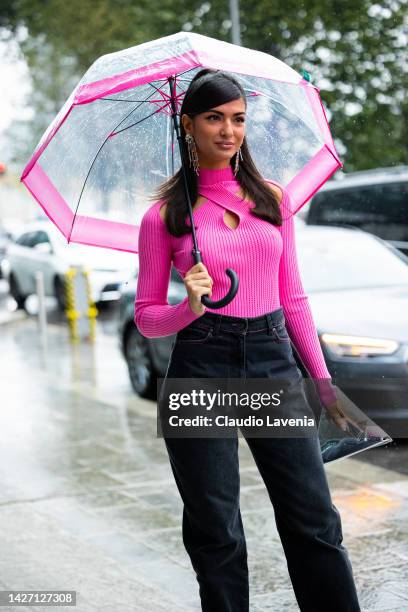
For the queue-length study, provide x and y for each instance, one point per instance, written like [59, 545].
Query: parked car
[146, 358]
[375, 201]
[6, 237]
[358, 292]
[40, 247]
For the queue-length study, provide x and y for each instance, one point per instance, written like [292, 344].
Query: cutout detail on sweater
[231, 220]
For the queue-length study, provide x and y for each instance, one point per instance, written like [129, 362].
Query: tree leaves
[353, 49]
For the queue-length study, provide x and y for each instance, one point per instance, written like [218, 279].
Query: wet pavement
[88, 501]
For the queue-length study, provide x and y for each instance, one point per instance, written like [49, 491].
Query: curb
[12, 317]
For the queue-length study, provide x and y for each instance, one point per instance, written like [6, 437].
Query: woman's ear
[187, 123]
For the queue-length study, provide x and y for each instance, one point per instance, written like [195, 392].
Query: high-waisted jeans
[206, 472]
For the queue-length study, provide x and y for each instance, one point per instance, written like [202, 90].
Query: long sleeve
[154, 316]
[299, 319]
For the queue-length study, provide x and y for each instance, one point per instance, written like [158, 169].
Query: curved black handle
[227, 298]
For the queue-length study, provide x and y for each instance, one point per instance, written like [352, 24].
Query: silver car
[40, 247]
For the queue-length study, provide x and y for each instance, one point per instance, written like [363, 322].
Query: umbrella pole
[196, 252]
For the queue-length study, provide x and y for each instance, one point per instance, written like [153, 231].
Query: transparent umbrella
[114, 139]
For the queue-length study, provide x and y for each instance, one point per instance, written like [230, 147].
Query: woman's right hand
[198, 283]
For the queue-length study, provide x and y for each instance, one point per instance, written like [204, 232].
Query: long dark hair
[206, 92]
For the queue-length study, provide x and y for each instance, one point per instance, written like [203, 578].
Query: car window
[26, 239]
[379, 209]
[175, 276]
[40, 237]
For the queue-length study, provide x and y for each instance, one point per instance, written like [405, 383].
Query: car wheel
[59, 291]
[15, 292]
[142, 372]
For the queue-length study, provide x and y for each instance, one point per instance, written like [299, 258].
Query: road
[88, 501]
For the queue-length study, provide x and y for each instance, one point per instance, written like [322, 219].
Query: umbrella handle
[227, 298]
[232, 290]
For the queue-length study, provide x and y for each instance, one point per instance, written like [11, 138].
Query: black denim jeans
[206, 472]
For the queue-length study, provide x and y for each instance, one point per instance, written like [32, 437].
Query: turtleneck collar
[211, 176]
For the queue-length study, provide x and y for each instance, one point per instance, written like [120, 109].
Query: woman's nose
[227, 129]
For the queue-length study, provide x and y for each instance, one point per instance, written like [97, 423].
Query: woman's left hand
[339, 415]
[343, 421]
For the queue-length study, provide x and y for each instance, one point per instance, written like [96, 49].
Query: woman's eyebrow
[220, 113]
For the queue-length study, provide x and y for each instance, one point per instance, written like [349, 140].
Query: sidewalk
[88, 501]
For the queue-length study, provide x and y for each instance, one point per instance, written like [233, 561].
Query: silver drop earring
[238, 156]
[192, 153]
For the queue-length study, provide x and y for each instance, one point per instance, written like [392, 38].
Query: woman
[244, 222]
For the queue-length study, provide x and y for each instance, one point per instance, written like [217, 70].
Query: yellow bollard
[80, 308]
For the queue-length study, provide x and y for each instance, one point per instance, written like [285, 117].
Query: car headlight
[358, 346]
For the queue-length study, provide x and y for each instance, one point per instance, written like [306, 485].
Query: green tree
[353, 49]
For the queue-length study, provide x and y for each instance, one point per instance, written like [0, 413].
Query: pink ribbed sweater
[262, 254]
